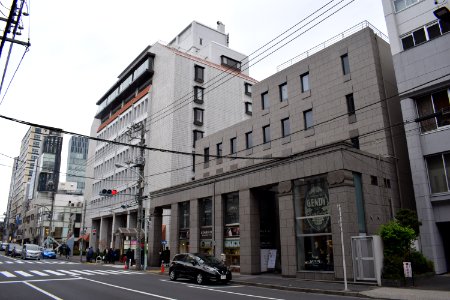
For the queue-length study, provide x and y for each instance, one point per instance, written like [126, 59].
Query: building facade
[24, 166]
[420, 45]
[322, 135]
[76, 161]
[167, 96]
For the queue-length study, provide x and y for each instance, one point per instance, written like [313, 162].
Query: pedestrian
[67, 252]
[90, 254]
[129, 255]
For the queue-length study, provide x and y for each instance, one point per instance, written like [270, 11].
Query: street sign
[407, 270]
[164, 242]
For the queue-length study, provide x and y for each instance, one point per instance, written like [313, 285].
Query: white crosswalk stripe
[7, 274]
[54, 272]
[46, 273]
[24, 274]
[68, 272]
[38, 273]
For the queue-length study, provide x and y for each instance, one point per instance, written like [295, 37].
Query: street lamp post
[51, 189]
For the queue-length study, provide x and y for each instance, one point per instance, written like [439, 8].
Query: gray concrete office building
[323, 133]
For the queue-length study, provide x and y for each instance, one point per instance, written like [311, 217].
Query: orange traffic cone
[162, 267]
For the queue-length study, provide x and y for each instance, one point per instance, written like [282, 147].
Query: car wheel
[172, 275]
[199, 278]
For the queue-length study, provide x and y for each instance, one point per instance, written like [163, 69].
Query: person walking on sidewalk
[129, 257]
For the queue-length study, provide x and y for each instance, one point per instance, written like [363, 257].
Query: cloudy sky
[78, 48]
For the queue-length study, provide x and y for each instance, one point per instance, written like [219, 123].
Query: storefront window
[232, 231]
[206, 226]
[184, 227]
[313, 225]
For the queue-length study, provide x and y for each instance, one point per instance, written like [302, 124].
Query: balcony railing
[332, 41]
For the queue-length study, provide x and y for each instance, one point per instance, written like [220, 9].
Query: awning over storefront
[128, 232]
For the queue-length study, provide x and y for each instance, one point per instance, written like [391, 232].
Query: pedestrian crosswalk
[38, 262]
[46, 273]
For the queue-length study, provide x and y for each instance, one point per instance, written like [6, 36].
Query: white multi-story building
[420, 45]
[194, 86]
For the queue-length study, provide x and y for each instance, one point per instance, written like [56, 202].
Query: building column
[155, 237]
[218, 225]
[174, 228]
[341, 190]
[286, 214]
[113, 230]
[430, 239]
[250, 254]
[103, 234]
[194, 230]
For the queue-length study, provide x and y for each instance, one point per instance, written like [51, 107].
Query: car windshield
[33, 247]
[207, 259]
[48, 250]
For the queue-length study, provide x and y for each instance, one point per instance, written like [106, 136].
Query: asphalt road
[60, 279]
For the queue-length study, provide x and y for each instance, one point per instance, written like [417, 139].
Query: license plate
[223, 276]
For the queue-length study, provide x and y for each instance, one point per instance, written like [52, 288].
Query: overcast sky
[78, 48]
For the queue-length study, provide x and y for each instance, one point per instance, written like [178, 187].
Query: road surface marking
[40, 280]
[234, 293]
[54, 272]
[128, 289]
[80, 271]
[42, 291]
[7, 274]
[68, 272]
[38, 273]
[24, 274]
[96, 272]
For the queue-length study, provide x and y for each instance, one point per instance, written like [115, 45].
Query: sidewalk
[436, 288]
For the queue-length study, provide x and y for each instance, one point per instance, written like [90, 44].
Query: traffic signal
[107, 192]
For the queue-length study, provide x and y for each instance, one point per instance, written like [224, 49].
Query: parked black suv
[200, 267]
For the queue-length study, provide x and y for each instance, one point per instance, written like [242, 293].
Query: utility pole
[51, 188]
[140, 195]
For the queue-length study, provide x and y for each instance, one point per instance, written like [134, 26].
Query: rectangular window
[283, 92]
[198, 116]
[198, 94]
[357, 179]
[433, 31]
[304, 79]
[265, 100]
[355, 142]
[345, 64]
[219, 149]
[231, 209]
[206, 154]
[400, 5]
[233, 145]
[231, 63]
[199, 73]
[184, 215]
[373, 180]
[248, 108]
[266, 134]
[308, 119]
[419, 36]
[439, 172]
[350, 104]
[248, 89]
[205, 212]
[197, 135]
[285, 127]
[249, 140]
[434, 110]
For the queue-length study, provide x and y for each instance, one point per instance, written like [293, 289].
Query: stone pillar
[341, 190]
[174, 227]
[113, 231]
[288, 239]
[218, 225]
[155, 237]
[194, 233]
[249, 233]
[103, 235]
